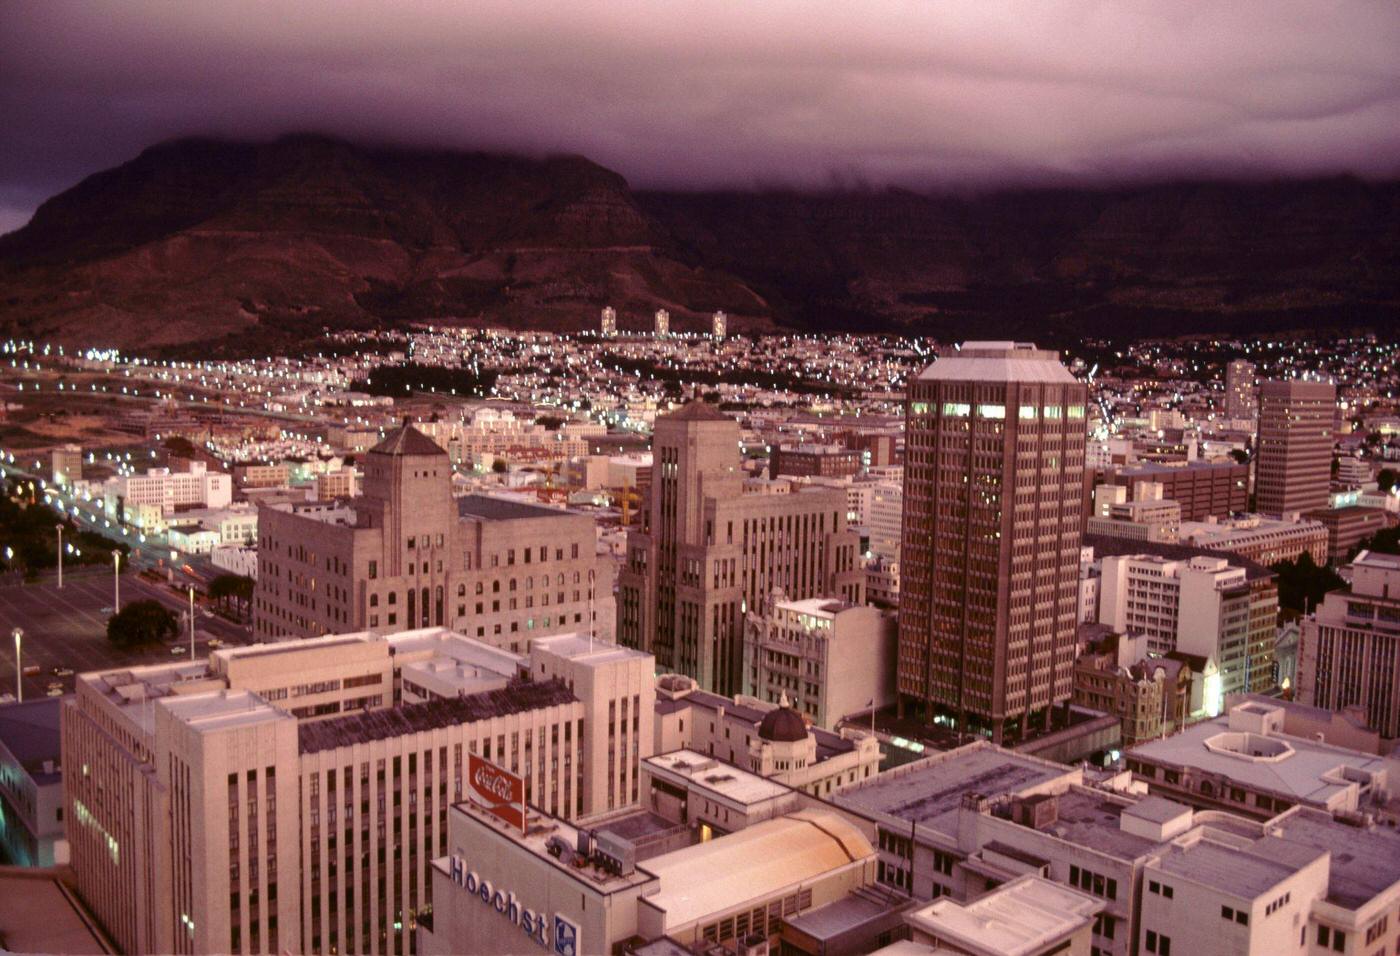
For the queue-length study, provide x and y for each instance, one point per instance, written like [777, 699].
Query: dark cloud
[695, 93]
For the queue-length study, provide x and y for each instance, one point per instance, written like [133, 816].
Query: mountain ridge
[218, 241]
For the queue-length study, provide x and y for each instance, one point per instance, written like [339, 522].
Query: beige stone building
[770, 740]
[289, 797]
[713, 546]
[406, 554]
[829, 658]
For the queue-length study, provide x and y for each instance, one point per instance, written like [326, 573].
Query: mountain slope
[200, 240]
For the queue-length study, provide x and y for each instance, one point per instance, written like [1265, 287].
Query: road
[67, 627]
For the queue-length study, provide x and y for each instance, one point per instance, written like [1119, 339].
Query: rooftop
[519, 696]
[999, 362]
[1106, 546]
[492, 508]
[1238, 872]
[407, 440]
[579, 647]
[1026, 916]
[928, 791]
[1365, 860]
[39, 915]
[1298, 768]
[758, 862]
[720, 779]
[696, 412]
[29, 731]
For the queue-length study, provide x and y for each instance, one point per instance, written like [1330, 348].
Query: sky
[696, 94]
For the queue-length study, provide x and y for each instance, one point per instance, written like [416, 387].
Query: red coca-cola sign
[497, 791]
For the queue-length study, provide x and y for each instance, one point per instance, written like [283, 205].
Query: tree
[239, 587]
[1240, 455]
[142, 622]
[1386, 541]
[550, 423]
[1302, 584]
[1385, 479]
[499, 466]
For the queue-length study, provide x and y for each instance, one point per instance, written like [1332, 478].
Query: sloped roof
[754, 863]
[698, 412]
[407, 440]
[999, 362]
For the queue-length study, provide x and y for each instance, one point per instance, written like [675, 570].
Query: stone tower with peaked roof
[707, 552]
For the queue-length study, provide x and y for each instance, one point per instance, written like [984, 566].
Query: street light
[59, 529]
[116, 581]
[191, 622]
[19, 669]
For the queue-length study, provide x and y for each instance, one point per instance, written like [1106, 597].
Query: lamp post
[19, 668]
[116, 581]
[191, 622]
[59, 529]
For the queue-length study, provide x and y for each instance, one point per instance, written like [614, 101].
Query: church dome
[782, 725]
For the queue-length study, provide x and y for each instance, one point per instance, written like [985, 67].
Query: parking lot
[67, 628]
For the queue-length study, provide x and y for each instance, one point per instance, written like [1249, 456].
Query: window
[373, 570]
[1159, 943]
[1335, 937]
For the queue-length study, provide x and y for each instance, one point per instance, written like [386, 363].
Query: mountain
[256, 245]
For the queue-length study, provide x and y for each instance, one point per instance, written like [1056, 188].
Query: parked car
[178, 649]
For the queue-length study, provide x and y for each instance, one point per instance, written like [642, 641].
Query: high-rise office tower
[719, 325]
[713, 546]
[663, 322]
[1293, 465]
[609, 321]
[1239, 390]
[993, 511]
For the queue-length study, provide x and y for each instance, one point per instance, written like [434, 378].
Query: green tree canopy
[1385, 479]
[142, 622]
[1302, 584]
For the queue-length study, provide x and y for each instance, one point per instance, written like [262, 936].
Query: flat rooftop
[1365, 860]
[1300, 775]
[580, 648]
[1241, 873]
[492, 508]
[343, 731]
[1024, 917]
[39, 915]
[223, 710]
[927, 792]
[721, 779]
[30, 732]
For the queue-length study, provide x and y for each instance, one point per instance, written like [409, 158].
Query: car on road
[54, 692]
[63, 672]
[206, 612]
[177, 649]
[215, 642]
[31, 670]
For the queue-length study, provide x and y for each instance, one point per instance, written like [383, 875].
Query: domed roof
[782, 725]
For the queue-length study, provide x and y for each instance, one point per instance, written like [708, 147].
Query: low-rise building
[1243, 761]
[585, 888]
[771, 740]
[290, 796]
[1265, 540]
[31, 784]
[1347, 527]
